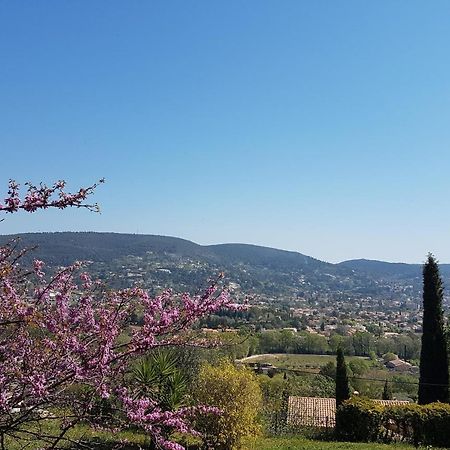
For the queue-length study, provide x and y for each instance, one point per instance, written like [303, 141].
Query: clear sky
[316, 126]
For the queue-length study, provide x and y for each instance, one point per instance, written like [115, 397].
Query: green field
[298, 443]
[135, 440]
[295, 361]
[138, 441]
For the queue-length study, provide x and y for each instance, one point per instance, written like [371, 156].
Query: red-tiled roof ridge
[320, 412]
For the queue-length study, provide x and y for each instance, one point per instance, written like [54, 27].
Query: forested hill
[66, 247]
[390, 270]
[126, 259]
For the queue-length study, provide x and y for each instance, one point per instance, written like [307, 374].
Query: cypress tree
[387, 391]
[342, 387]
[433, 383]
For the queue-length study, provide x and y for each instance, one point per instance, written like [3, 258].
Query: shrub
[237, 393]
[426, 425]
[359, 367]
[389, 356]
[275, 394]
[157, 375]
[329, 370]
[359, 419]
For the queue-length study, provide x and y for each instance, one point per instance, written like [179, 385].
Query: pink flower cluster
[151, 418]
[43, 197]
[61, 334]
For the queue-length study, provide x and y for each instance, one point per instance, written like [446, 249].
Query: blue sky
[316, 126]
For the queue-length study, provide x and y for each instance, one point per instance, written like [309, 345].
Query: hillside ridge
[126, 258]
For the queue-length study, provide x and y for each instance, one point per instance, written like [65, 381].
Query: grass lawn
[134, 441]
[298, 443]
[108, 439]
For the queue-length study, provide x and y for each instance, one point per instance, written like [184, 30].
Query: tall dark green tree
[387, 391]
[342, 386]
[433, 356]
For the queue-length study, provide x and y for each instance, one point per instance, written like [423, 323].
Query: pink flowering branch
[62, 333]
[65, 332]
[43, 197]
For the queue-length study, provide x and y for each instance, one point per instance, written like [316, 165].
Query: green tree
[274, 392]
[342, 386]
[329, 370]
[237, 393]
[389, 356]
[344, 342]
[314, 343]
[387, 391]
[359, 367]
[363, 343]
[434, 375]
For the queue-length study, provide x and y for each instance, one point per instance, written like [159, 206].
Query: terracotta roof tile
[319, 412]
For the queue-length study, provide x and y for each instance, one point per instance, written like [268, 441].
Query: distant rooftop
[320, 412]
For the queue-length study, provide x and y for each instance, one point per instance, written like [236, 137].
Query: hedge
[360, 419]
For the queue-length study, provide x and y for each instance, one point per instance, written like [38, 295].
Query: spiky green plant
[158, 376]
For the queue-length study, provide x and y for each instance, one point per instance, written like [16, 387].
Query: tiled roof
[311, 411]
[319, 412]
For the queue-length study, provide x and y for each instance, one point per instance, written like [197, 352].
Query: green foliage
[342, 386]
[422, 424]
[301, 443]
[158, 376]
[363, 343]
[329, 370]
[312, 386]
[237, 393]
[406, 384]
[285, 341]
[360, 419]
[387, 391]
[275, 391]
[434, 375]
[406, 345]
[337, 341]
[359, 367]
[314, 343]
[389, 356]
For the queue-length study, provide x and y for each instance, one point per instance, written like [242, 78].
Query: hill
[398, 271]
[157, 261]
[66, 247]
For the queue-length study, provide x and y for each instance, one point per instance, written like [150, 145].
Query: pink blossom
[63, 331]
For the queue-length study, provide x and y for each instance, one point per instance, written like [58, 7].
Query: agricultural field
[307, 362]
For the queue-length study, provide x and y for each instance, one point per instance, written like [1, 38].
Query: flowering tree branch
[43, 197]
[67, 340]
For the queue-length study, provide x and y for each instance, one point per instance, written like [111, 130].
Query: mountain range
[257, 269]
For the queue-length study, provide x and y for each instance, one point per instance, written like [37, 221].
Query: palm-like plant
[158, 376]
